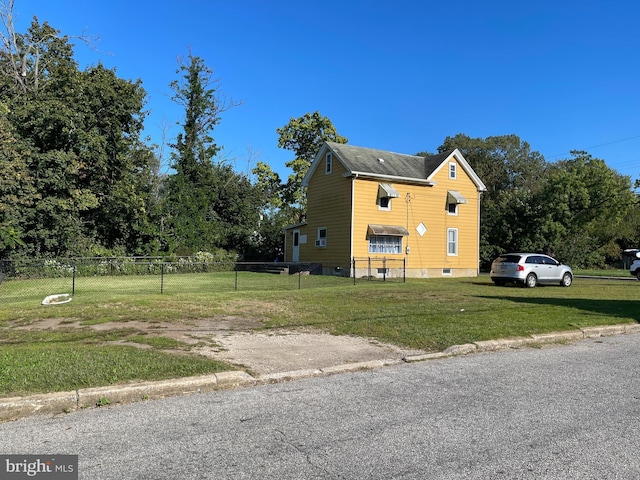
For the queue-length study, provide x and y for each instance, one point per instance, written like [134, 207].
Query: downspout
[353, 196]
[478, 242]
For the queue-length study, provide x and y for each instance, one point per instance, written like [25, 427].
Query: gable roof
[381, 164]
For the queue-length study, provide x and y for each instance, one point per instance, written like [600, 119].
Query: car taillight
[520, 268]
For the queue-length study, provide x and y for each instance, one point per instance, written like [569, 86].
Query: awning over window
[394, 230]
[455, 197]
[385, 190]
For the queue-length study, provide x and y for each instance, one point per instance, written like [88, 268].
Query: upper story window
[454, 198]
[385, 193]
[328, 163]
[452, 170]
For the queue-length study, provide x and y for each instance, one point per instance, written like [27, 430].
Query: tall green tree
[587, 205]
[87, 156]
[17, 192]
[207, 204]
[39, 77]
[304, 136]
[275, 213]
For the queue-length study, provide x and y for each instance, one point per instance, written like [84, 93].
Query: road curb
[66, 402]
[56, 403]
[519, 342]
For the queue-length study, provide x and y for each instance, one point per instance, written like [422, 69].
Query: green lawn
[429, 314]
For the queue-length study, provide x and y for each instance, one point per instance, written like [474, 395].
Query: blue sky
[398, 75]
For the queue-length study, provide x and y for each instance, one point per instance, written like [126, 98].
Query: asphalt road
[559, 412]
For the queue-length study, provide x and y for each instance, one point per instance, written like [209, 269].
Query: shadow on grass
[623, 309]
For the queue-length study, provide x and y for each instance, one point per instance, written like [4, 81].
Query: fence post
[369, 268]
[73, 280]
[354, 270]
[236, 285]
[299, 275]
[404, 270]
[162, 277]
[384, 269]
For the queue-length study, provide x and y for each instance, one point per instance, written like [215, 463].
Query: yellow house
[377, 213]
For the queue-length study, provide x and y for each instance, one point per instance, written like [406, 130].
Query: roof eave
[391, 178]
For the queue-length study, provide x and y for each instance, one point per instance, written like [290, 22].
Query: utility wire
[597, 146]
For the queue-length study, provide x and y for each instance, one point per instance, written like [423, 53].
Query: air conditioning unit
[322, 242]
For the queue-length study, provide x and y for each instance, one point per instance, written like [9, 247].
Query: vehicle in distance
[529, 270]
[634, 268]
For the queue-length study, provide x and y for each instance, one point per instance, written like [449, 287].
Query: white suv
[529, 270]
[634, 268]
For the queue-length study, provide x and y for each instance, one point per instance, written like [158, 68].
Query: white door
[295, 252]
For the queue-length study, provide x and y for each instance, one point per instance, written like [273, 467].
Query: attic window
[452, 170]
[328, 164]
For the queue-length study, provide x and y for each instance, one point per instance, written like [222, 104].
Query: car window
[508, 259]
[534, 259]
[549, 261]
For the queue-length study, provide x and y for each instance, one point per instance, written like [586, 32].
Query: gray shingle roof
[381, 162]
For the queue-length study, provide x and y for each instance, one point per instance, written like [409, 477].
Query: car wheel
[638, 274]
[567, 280]
[531, 280]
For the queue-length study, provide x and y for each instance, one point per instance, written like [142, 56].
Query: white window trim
[321, 242]
[388, 207]
[396, 245]
[455, 211]
[455, 242]
[453, 170]
[328, 163]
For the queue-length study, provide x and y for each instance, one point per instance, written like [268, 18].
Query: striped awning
[455, 197]
[385, 190]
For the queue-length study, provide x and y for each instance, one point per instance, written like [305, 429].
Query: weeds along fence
[96, 277]
[25, 279]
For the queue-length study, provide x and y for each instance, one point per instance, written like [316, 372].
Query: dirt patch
[283, 351]
[235, 340]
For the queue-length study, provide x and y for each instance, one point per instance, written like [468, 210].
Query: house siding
[328, 205]
[417, 204]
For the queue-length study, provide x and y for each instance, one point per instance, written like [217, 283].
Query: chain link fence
[26, 280]
[379, 268]
[23, 279]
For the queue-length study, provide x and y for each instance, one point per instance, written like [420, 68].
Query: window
[385, 244]
[385, 193]
[328, 164]
[321, 240]
[454, 198]
[452, 170]
[452, 241]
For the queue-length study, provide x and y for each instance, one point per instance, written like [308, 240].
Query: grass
[429, 314]
[612, 272]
